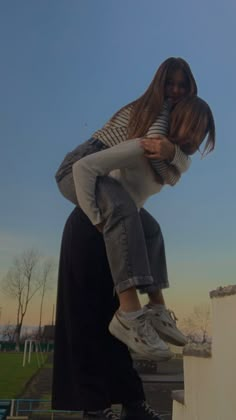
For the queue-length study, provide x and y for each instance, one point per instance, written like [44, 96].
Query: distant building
[48, 334]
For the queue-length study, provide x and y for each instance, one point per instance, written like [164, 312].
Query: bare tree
[8, 332]
[197, 325]
[46, 277]
[21, 284]
[28, 333]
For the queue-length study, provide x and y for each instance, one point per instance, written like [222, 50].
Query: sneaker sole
[161, 355]
[170, 339]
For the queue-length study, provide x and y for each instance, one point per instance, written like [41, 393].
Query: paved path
[40, 386]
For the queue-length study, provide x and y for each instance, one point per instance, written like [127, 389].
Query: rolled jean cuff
[153, 288]
[137, 281]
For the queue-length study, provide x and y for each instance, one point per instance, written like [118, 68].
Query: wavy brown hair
[149, 105]
[191, 122]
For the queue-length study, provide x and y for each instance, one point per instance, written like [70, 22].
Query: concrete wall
[210, 372]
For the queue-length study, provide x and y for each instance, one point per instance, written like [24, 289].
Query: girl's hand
[158, 148]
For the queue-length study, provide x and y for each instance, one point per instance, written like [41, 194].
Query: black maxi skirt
[92, 369]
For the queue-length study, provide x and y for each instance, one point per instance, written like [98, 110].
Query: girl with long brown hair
[135, 160]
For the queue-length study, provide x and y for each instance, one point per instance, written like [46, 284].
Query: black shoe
[106, 414]
[140, 410]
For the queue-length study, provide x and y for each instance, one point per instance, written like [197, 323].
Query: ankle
[156, 305]
[133, 404]
[130, 308]
[129, 301]
[129, 315]
[156, 298]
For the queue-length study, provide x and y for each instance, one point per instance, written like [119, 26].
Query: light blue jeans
[133, 238]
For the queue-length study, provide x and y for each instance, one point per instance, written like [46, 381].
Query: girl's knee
[78, 168]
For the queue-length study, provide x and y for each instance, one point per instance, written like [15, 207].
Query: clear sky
[66, 67]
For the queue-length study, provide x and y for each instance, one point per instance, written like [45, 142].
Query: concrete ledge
[178, 395]
[197, 350]
[17, 418]
[179, 377]
[223, 291]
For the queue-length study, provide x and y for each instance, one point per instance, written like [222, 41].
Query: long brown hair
[149, 105]
[191, 122]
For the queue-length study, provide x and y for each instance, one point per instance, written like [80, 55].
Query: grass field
[13, 376]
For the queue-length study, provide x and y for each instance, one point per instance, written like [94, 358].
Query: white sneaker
[106, 414]
[140, 336]
[164, 322]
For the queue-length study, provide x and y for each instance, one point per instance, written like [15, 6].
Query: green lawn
[13, 376]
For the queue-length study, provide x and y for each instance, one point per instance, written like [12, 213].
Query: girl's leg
[163, 320]
[64, 175]
[129, 264]
[123, 236]
[156, 255]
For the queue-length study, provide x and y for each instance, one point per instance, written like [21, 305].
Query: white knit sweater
[124, 160]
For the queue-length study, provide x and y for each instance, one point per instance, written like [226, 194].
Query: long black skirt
[92, 369]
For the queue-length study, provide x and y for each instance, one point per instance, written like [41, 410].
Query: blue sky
[66, 67]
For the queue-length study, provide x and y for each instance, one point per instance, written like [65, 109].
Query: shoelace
[109, 414]
[172, 315]
[149, 410]
[146, 327]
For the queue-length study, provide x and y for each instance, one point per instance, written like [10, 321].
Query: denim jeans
[133, 238]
